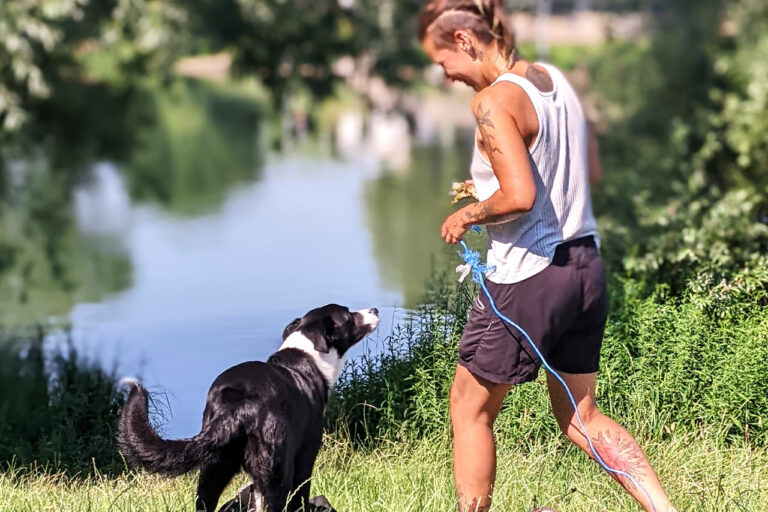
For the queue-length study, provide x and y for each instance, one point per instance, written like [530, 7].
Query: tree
[42, 44]
[29, 35]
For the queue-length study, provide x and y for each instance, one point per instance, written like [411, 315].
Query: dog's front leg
[300, 496]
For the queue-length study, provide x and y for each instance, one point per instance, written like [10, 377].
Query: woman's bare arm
[507, 151]
[508, 154]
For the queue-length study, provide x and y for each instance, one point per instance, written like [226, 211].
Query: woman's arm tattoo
[485, 125]
[487, 212]
[483, 213]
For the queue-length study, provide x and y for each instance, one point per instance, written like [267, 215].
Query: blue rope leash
[478, 270]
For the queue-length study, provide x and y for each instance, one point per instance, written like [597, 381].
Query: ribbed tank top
[562, 210]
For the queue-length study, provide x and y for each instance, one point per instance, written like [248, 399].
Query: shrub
[402, 389]
[686, 188]
[669, 363]
[57, 409]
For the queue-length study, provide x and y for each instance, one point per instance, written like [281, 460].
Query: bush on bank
[58, 410]
[692, 363]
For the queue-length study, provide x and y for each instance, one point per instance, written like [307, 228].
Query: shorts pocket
[478, 305]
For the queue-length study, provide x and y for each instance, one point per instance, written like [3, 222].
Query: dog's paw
[320, 504]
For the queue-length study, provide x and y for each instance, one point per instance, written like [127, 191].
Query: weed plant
[695, 363]
[58, 410]
[418, 477]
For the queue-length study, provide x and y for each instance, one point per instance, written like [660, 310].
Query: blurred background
[180, 179]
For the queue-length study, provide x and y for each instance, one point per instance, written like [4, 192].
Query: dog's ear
[320, 332]
[318, 336]
[291, 328]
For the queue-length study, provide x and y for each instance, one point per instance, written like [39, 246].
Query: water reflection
[390, 139]
[405, 212]
[202, 143]
[47, 263]
[189, 250]
[102, 203]
[183, 147]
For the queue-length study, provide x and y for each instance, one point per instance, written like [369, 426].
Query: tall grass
[58, 409]
[681, 363]
[403, 387]
[417, 477]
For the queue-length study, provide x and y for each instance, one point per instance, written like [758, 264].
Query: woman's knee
[569, 423]
[459, 403]
[473, 404]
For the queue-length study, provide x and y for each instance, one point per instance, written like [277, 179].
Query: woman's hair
[486, 18]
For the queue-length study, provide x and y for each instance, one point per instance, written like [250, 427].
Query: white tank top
[562, 210]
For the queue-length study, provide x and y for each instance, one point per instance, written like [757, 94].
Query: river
[191, 250]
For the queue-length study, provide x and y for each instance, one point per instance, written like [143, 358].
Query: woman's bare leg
[475, 403]
[613, 443]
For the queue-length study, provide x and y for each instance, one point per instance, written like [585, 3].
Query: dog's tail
[142, 446]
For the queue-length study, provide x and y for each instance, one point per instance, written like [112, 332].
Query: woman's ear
[465, 43]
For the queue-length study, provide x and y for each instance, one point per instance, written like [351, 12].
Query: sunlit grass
[417, 476]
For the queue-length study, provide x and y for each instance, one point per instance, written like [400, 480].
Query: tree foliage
[44, 49]
[688, 191]
[54, 43]
[29, 35]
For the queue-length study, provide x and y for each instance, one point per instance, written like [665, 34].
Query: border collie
[264, 417]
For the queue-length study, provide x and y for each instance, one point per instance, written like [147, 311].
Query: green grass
[417, 476]
[58, 408]
[668, 364]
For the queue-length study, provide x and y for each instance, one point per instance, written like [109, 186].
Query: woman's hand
[454, 227]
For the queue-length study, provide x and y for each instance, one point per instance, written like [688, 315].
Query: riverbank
[417, 476]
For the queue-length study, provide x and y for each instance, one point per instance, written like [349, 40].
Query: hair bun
[486, 17]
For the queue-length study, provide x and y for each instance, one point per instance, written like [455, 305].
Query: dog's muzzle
[370, 318]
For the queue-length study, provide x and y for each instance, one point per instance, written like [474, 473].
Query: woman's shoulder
[508, 98]
[503, 94]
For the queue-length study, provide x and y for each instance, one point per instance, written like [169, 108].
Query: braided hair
[485, 18]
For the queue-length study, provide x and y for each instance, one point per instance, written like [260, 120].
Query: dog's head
[334, 327]
[326, 333]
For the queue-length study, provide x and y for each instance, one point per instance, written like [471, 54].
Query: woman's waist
[508, 242]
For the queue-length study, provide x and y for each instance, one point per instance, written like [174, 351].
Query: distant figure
[531, 170]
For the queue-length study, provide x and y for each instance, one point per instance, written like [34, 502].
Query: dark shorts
[563, 308]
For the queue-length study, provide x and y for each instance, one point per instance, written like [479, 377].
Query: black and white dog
[264, 417]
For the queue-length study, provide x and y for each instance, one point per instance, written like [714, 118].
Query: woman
[531, 167]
